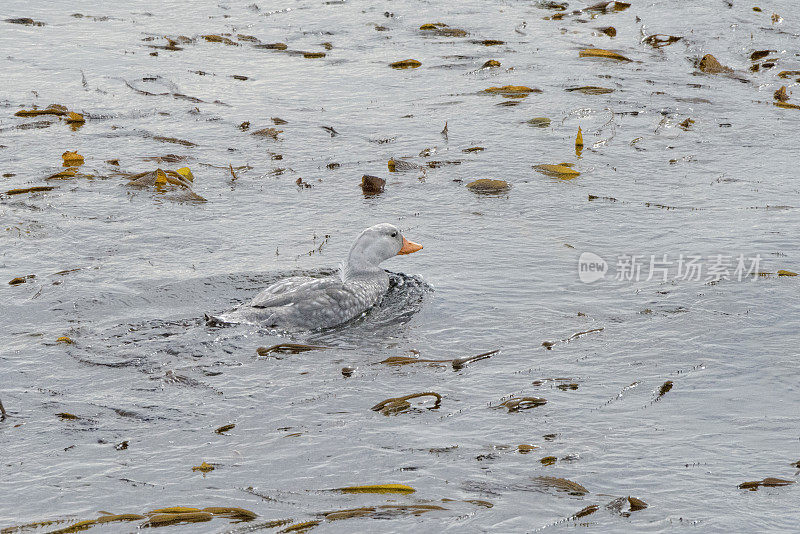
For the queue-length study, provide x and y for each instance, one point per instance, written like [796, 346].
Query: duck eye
[394, 234]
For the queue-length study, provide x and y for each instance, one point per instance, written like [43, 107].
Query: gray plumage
[304, 303]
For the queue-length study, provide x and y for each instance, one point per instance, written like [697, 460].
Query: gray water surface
[127, 274]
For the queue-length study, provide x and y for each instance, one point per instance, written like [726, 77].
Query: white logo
[591, 267]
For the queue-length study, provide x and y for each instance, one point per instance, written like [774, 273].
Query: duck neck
[358, 264]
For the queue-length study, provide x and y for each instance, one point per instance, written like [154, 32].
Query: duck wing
[282, 287]
[319, 303]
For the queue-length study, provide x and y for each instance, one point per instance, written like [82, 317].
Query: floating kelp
[34, 189]
[186, 174]
[173, 140]
[21, 279]
[602, 53]
[372, 185]
[457, 363]
[203, 467]
[160, 177]
[171, 45]
[768, 482]
[109, 518]
[488, 186]
[665, 387]
[300, 527]
[561, 484]
[405, 360]
[219, 39]
[636, 504]
[492, 63]
[522, 403]
[549, 344]
[65, 339]
[479, 502]
[231, 512]
[710, 65]
[633, 504]
[760, 54]
[399, 165]
[52, 109]
[437, 164]
[406, 64]
[788, 73]
[75, 527]
[590, 90]
[288, 348]
[154, 518]
[489, 42]
[659, 40]
[415, 509]
[71, 159]
[512, 91]
[781, 94]
[783, 272]
[526, 448]
[381, 511]
[272, 46]
[66, 416]
[559, 170]
[75, 118]
[174, 510]
[686, 124]
[441, 29]
[34, 525]
[313, 55]
[160, 520]
[271, 133]
[604, 7]
[396, 405]
[377, 488]
[785, 105]
[583, 512]
[552, 4]
[349, 513]
[163, 180]
[611, 31]
[538, 122]
[548, 460]
[224, 428]
[579, 140]
[25, 21]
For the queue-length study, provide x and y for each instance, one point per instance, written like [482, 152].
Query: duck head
[376, 244]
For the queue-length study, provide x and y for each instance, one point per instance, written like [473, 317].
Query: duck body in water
[304, 303]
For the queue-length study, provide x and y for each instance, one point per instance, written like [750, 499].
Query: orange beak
[409, 247]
